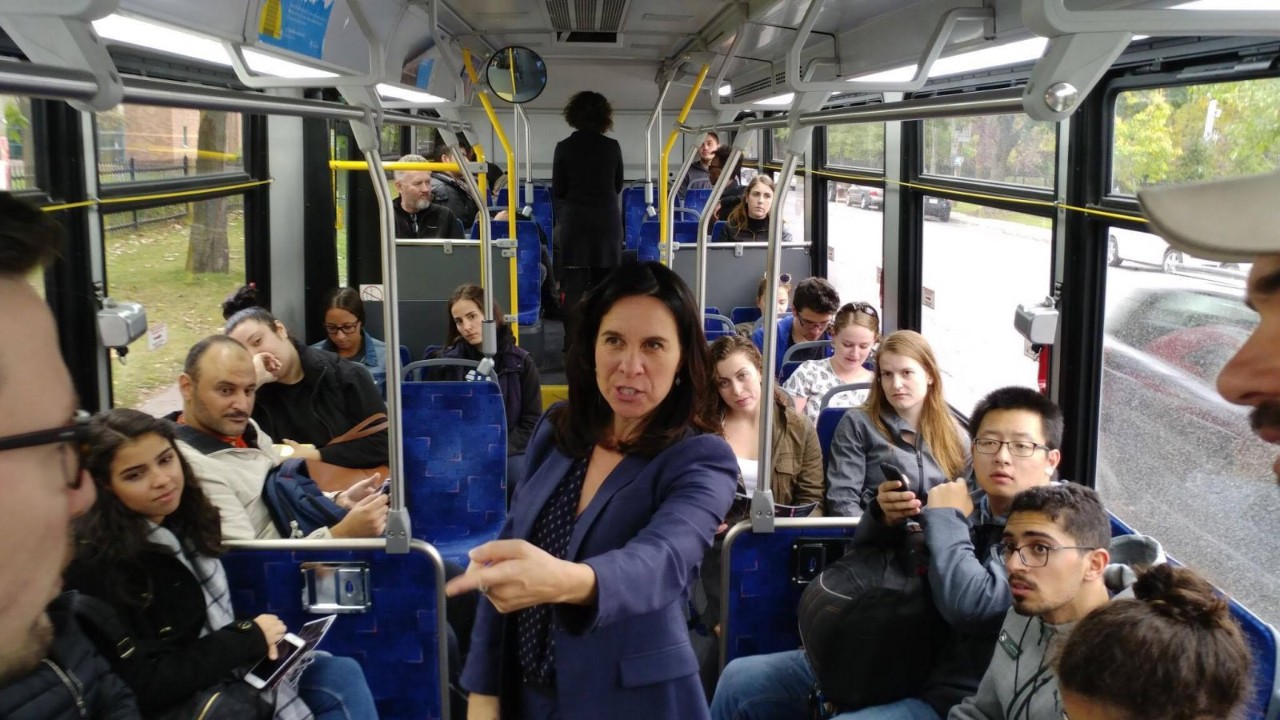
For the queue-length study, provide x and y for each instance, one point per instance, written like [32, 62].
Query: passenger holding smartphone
[149, 549]
[905, 422]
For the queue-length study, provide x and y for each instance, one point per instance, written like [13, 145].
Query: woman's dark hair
[29, 237]
[344, 298]
[1174, 653]
[584, 419]
[589, 111]
[111, 533]
[242, 305]
[475, 294]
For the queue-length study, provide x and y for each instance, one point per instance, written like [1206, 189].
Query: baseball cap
[1225, 220]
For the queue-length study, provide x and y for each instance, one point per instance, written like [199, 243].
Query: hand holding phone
[280, 658]
[893, 472]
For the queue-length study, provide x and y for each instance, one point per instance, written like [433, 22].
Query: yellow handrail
[391, 166]
[512, 184]
[664, 219]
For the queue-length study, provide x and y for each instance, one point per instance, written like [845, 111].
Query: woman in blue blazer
[584, 589]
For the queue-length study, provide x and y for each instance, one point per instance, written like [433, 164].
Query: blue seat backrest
[455, 458]
[1263, 641]
[685, 232]
[761, 600]
[543, 214]
[528, 259]
[395, 641]
[828, 419]
[745, 313]
[716, 229]
[648, 246]
[633, 215]
[716, 321]
[696, 199]
[787, 369]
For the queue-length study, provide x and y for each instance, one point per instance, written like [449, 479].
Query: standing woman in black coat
[586, 178]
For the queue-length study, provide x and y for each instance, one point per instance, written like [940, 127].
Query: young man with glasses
[1054, 548]
[967, 583]
[813, 306]
[48, 669]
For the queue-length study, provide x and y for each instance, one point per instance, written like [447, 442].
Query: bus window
[137, 143]
[17, 146]
[1010, 149]
[1175, 460]
[855, 245]
[180, 262]
[1195, 132]
[856, 146]
[979, 264]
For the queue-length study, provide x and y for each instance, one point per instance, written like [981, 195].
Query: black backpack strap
[102, 618]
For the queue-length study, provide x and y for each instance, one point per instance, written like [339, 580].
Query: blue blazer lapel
[626, 471]
[537, 490]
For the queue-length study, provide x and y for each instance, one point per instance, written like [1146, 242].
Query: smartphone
[386, 487]
[893, 472]
[267, 672]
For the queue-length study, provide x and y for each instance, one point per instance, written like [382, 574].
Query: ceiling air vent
[590, 16]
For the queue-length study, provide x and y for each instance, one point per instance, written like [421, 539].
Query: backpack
[298, 506]
[869, 627]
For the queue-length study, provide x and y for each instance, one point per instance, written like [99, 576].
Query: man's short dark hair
[29, 238]
[1076, 508]
[1021, 398]
[712, 133]
[191, 368]
[817, 295]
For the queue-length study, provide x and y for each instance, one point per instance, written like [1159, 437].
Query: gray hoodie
[1019, 683]
[857, 450]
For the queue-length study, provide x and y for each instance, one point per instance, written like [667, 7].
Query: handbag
[297, 505]
[335, 478]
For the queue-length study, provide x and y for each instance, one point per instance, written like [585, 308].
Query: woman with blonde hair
[905, 423]
[854, 333]
[749, 221]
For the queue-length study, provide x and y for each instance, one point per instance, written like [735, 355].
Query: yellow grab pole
[664, 219]
[512, 182]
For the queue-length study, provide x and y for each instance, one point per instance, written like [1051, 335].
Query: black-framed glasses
[1033, 555]
[1017, 448]
[345, 328]
[75, 435]
[811, 324]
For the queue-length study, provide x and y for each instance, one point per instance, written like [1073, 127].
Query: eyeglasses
[75, 436]
[1017, 448]
[862, 307]
[345, 329]
[1039, 552]
[811, 324]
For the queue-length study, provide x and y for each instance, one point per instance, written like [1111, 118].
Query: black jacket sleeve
[361, 399]
[162, 672]
[530, 408]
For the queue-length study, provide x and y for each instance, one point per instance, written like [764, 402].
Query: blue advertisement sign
[296, 25]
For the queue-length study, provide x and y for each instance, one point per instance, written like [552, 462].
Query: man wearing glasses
[813, 306]
[1054, 548]
[48, 669]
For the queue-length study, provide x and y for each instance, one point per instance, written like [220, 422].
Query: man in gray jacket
[1055, 548]
[1018, 434]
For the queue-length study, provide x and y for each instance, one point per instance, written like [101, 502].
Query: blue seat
[398, 641]
[528, 262]
[684, 232]
[455, 463]
[828, 420]
[761, 601]
[716, 229]
[633, 215]
[696, 198]
[715, 321]
[745, 314]
[1263, 641]
[543, 213]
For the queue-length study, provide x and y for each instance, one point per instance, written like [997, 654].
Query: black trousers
[576, 283]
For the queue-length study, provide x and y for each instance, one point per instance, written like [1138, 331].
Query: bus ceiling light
[120, 323]
[1061, 96]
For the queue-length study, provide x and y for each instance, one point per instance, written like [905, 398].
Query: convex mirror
[516, 74]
